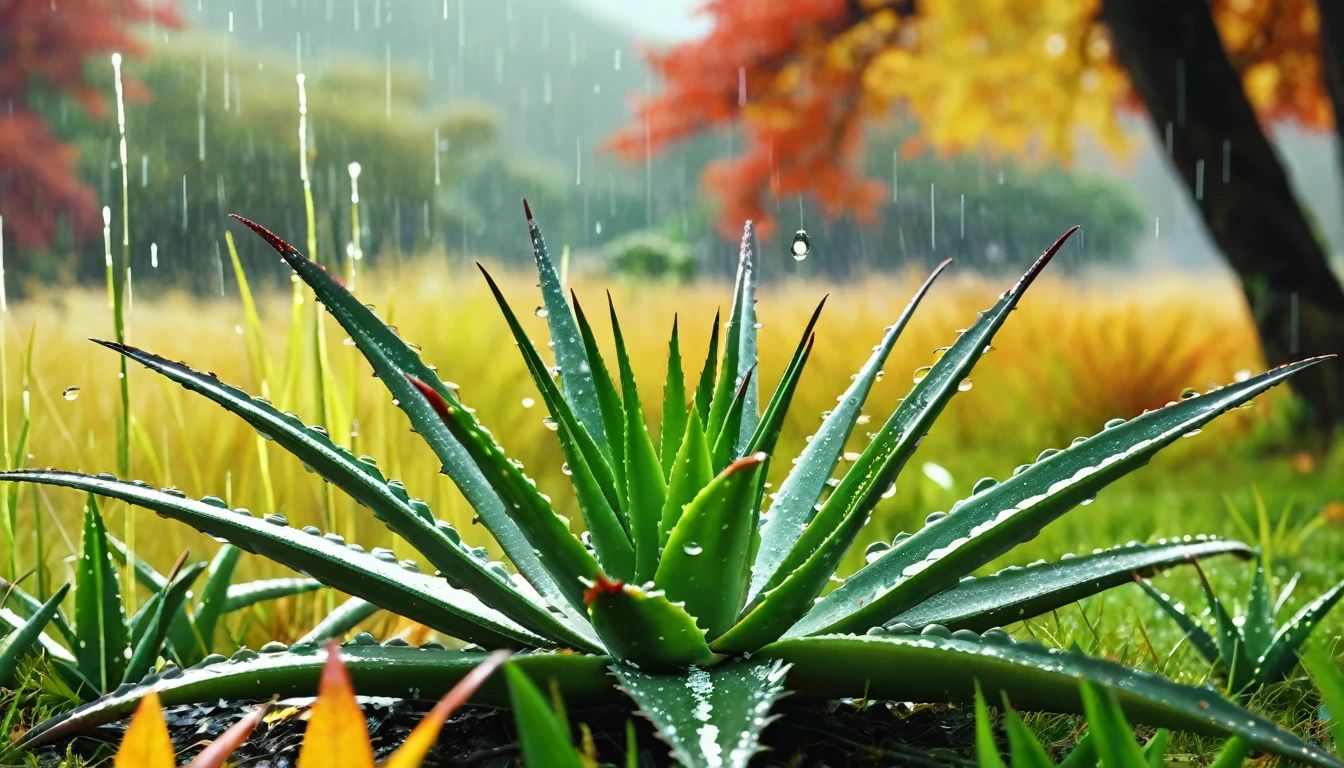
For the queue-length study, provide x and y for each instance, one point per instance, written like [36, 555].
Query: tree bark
[1194, 96]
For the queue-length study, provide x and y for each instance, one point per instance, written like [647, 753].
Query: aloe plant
[687, 587]
[104, 648]
[1109, 741]
[1250, 653]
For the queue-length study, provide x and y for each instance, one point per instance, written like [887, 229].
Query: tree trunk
[1178, 67]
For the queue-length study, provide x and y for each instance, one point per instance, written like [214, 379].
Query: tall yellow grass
[1070, 358]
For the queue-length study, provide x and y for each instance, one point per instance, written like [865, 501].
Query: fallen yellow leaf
[337, 735]
[146, 743]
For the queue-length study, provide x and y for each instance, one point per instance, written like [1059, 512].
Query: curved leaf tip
[527, 210]
[270, 237]
[1045, 258]
[746, 462]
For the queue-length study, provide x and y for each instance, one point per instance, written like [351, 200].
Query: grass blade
[986, 748]
[1116, 747]
[339, 622]
[250, 593]
[544, 740]
[793, 504]
[1027, 752]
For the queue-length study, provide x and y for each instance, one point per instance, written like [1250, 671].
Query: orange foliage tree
[1024, 78]
[43, 49]
[999, 77]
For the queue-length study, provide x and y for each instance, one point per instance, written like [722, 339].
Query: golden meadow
[1073, 356]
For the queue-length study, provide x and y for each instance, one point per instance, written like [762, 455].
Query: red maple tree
[45, 46]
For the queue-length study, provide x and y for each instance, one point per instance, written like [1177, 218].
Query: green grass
[1070, 359]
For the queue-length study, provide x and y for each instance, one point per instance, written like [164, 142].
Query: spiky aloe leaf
[1199, 638]
[792, 507]
[704, 390]
[613, 413]
[646, 489]
[1016, 593]
[1000, 516]
[407, 592]
[645, 628]
[543, 737]
[20, 641]
[26, 606]
[1258, 629]
[937, 665]
[691, 472]
[724, 451]
[410, 519]
[711, 718]
[392, 360]
[739, 351]
[772, 421]
[570, 355]
[673, 425]
[13, 622]
[250, 593]
[566, 558]
[594, 484]
[340, 621]
[193, 635]
[705, 562]
[1231, 645]
[155, 630]
[1281, 657]
[376, 670]
[100, 620]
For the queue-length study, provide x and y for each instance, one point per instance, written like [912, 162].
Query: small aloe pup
[688, 594]
[1250, 654]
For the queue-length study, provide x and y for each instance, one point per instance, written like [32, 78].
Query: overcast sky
[651, 19]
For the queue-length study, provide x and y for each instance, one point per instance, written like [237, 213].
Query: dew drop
[550, 423]
[693, 549]
[802, 245]
[964, 385]
[541, 312]
[920, 373]
[70, 393]
[528, 402]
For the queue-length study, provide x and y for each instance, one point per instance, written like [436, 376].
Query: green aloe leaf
[1001, 515]
[725, 448]
[594, 484]
[570, 355]
[739, 352]
[1329, 680]
[250, 593]
[1258, 629]
[26, 606]
[704, 390]
[154, 632]
[1198, 636]
[544, 739]
[410, 519]
[100, 620]
[392, 360]
[645, 487]
[792, 507]
[566, 558]
[1116, 747]
[1026, 751]
[939, 666]
[14, 621]
[193, 635]
[613, 413]
[705, 562]
[673, 425]
[417, 596]
[986, 748]
[646, 628]
[1233, 754]
[344, 618]
[691, 472]
[711, 718]
[772, 421]
[376, 670]
[1017, 593]
[1231, 643]
[1281, 657]
[20, 641]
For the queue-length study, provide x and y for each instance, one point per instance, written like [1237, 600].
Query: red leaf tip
[527, 209]
[601, 586]
[746, 462]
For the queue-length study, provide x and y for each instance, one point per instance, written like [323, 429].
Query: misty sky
[656, 19]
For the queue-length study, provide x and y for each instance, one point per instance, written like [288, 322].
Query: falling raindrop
[528, 402]
[802, 245]
[70, 393]
[154, 255]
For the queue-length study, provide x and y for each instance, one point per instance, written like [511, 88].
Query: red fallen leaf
[601, 586]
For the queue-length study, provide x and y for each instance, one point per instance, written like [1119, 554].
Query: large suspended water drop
[802, 245]
[70, 393]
